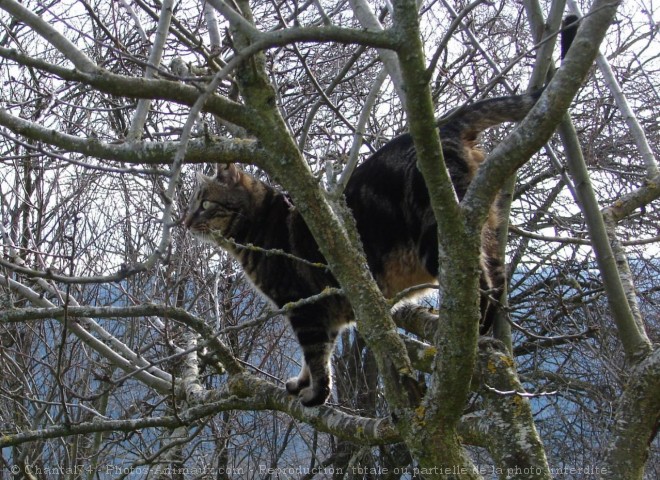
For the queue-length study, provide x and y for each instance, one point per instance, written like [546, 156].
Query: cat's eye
[207, 204]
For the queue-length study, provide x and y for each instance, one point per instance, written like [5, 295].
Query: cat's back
[391, 175]
[386, 177]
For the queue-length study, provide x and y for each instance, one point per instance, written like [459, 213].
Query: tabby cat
[390, 203]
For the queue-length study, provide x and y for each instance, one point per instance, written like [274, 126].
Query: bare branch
[81, 61]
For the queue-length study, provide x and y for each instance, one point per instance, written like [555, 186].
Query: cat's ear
[228, 173]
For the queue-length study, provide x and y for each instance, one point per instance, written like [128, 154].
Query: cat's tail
[469, 121]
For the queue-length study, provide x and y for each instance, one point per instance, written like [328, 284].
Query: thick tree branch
[621, 300]
[264, 395]
[456, 339]
[179, 93]
[637, 421]
[513, 441]
[217, 150]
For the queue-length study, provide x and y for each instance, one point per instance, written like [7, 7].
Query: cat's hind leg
[313, 388]
[317, 341]
[295, 384]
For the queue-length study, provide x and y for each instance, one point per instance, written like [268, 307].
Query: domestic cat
[387, 195]
[389, 201]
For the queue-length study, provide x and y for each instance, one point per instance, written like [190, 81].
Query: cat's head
[219, 201]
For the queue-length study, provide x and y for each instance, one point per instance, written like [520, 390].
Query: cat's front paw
[311, 397]
[295, 384]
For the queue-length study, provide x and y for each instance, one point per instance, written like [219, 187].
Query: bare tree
[129, 350]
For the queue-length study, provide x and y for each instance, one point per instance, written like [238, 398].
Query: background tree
[130, 350]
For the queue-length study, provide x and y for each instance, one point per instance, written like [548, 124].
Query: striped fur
[390, 203]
